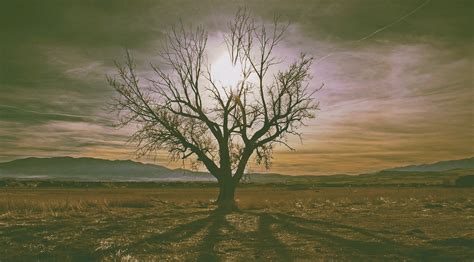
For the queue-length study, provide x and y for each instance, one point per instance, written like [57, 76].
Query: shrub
[465, 181]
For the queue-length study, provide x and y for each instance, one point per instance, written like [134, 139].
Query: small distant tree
[186, 112]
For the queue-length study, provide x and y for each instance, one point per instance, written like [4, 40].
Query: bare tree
[185, 111]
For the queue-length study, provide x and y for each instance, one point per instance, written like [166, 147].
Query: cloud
[402, 96]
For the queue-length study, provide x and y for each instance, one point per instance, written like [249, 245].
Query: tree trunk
[226, 200]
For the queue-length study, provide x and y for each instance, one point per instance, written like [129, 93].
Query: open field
[277, 224]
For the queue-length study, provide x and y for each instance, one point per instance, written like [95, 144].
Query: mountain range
[93, 169]
[438, 166]
[85, 168]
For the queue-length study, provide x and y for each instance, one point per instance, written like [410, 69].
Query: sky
[397, 75]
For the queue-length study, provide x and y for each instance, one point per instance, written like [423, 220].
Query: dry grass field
[274, 224]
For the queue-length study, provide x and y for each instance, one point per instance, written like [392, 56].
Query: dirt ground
[274, 224]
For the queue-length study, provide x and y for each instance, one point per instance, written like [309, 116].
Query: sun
[225, 73]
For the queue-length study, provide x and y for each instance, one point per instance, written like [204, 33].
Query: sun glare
[224, 72]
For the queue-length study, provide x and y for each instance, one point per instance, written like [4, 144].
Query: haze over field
[397, 74]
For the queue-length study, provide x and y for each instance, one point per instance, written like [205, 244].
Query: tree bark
[226, 198]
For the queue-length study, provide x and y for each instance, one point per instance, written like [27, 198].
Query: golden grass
[65, 200]
[274, 224]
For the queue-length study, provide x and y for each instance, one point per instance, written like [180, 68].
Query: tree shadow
[377, 245]
[265, 241]
[216, 229]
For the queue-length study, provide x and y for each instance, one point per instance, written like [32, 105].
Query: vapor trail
[380, 29]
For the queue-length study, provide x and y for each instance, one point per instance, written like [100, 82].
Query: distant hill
[467, 163]
[85, 168]
[93, 169]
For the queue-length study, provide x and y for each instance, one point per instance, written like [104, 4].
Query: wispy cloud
[397, 74]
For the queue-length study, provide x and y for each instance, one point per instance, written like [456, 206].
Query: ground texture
[274, 224]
